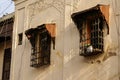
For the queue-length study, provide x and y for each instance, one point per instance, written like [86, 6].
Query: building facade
[66, 40]
[6, 28]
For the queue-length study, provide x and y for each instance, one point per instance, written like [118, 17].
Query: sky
[6, 7]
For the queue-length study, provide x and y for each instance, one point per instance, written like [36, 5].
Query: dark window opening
[41, 50]
[6, 64]
[40, 39]
[91, 24]
[6, 28]
[20, 38]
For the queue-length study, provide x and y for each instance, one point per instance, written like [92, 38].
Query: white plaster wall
[21, 69]
[66, 64]
[75, 66]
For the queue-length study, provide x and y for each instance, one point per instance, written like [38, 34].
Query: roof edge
[8, 16]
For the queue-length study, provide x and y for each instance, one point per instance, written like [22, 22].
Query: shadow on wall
[76, 67]
[71, 43]
[41, 73]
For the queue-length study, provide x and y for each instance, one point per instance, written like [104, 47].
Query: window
[6, 28]
[41, 49]
[20, 37]
[91, 37]
[6, 64]
[40, 39]
[91, 25]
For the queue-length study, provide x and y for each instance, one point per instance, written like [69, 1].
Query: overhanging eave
[91, 13]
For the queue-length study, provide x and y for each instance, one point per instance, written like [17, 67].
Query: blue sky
[6, 6]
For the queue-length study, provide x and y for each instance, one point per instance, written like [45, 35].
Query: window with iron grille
[41, 50]
[91, 38]
[91, 25]
[40, 39]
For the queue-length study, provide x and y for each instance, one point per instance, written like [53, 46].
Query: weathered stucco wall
[76, 67]
[66, 64]
[34, 15]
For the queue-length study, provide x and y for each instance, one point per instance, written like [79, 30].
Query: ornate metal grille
[41, 46]
[41, 51]
[91, 38]
[92, 25]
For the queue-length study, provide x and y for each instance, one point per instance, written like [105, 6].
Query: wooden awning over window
[51, 28]
[89, 14]
[105, 11]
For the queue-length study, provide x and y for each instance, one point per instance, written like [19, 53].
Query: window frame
[81, 19]
[35, 36]
[20, 38]
[38, 53]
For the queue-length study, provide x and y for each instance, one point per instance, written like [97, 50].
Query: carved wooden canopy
[91, 13]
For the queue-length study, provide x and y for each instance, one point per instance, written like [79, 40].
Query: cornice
[18, 1]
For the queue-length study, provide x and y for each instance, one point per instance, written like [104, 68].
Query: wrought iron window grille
[40, 39]
[91, 24]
